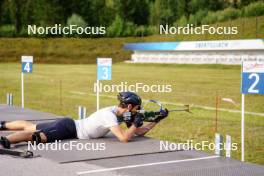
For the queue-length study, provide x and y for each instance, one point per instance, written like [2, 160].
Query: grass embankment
[77, 51]
[61, 88]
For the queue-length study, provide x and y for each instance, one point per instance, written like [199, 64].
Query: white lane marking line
[77, 92]
[143, 165]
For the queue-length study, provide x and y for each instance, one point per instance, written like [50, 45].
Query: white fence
[196, 57]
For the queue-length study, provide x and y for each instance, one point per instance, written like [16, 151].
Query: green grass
[86, 50]
[59, 89]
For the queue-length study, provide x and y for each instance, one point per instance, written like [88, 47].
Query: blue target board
[27, 64]
[252, 78]
[104, 68]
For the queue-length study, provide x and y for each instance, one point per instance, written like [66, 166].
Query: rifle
[153, 108]
[22, 154]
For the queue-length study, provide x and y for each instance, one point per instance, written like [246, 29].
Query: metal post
[228, 145]
[9, 99]
[218, 144]
[60, 94]
[82, 112]
[242, 127]
[97, 95]
[22, 89]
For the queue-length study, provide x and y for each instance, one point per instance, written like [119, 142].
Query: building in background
[198, 52]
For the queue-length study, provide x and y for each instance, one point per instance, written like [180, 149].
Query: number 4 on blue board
[253, 78]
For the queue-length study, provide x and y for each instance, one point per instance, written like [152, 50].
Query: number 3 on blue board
[104, 73]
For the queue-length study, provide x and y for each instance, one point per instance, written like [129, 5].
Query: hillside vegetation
[86, 50]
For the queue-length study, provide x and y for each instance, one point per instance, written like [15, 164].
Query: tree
[173, 5]
[76, 20]
[212, 5]
[161, 13]
[215, 5]
[198, 5]
[5, 17]
[101, 13]
[16, 9]
[135, 11]
[116, 28]
[1, 10]
[34, 12]
[83, 8]
[55, 11]
[246, 2]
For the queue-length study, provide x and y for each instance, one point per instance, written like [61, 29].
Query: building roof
[252, 44]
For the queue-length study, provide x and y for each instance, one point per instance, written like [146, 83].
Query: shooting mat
[11, 113]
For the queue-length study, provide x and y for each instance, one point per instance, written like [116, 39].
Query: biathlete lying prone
[96, 125]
